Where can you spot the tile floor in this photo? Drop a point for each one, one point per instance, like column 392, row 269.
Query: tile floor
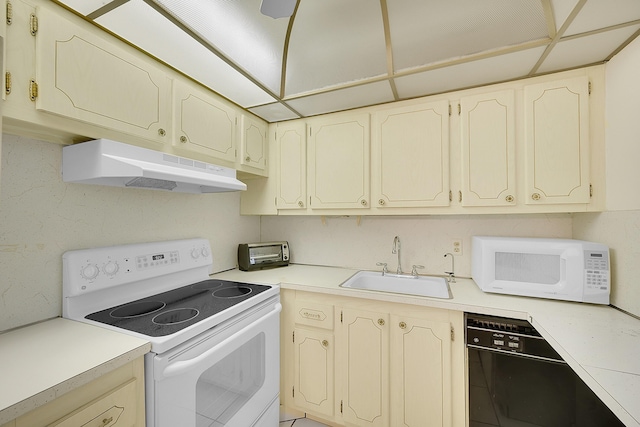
column 300, row 422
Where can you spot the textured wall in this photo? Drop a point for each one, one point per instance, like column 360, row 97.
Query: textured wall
column 41, row 217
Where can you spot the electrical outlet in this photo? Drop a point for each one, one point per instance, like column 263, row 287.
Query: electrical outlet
column 457, row 246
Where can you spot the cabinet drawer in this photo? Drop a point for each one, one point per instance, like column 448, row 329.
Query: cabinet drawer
column 314, row 314
column 116, row 408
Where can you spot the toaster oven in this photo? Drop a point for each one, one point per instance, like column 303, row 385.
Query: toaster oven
column 255, row 256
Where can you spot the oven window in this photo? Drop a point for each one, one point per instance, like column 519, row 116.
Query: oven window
column 223, row 389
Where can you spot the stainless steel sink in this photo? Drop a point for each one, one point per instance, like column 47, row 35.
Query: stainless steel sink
column 424, row 286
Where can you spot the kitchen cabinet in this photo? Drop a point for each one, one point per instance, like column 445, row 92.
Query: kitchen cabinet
column 557, row 141
column 410, row 156
column 254, row 144
column 291, row 165
column 203, row 123
column 394, row 364
column 488, row 146
column 114, row 399
column 83, row 76
column 338, row 162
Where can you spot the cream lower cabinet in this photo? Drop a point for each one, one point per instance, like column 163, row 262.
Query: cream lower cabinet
column 382, row 364
column 83, row 76
column 115, row 399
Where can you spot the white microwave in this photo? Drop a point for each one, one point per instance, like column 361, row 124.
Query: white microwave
column 564, row 269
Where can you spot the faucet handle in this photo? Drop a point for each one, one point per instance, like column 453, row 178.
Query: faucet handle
column 414, row 269
column 384, row 267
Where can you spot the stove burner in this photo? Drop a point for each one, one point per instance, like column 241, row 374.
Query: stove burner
column 207, row 285
column 136, row 309
column 178, row 315
column 234, row 292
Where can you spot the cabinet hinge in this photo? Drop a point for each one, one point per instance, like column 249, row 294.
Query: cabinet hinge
column 7, row 83
column 453, row 334
column 589, row 88
column 341, row 316
column 590, row 190
column 449, row 109
column 33, row 24
column 459, row 196
column 341, row 406
column 9, row 13
column 459, row 109
column 293, row 392
column 293, row 336
column 33, row 90
column 450, row 196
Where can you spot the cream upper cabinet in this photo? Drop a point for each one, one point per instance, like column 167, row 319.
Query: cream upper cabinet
column 410, row 156
column 421, row 372
column 557, row 141
column 253, row 143
column 291, row 165
column 488, row 146
column 203, row 123
column 338, row 160
column 82, row 75
column 365, row 389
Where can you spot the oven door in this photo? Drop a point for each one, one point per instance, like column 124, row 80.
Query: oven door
column 228, row 376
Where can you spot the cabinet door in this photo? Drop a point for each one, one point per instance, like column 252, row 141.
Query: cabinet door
column 488, row 149
column 557, row 141
column 411, row 156
column 203, row 123
column 420, row 372
column 339, row 162
column 253, row 142
column 314, row 371
column 366, row 368
column 81, row 75
column 291, row 167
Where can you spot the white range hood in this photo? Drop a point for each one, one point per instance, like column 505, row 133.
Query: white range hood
column 115, row 164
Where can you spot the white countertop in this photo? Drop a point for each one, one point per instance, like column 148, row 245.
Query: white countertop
column 45, row 360
column 600, row 343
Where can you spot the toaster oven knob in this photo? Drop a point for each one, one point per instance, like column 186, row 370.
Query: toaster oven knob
column 205, row 252
column 111, row 268
column 89, row 271
column 195, row 254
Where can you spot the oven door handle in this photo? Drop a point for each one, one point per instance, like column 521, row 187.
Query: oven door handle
column 178, row 368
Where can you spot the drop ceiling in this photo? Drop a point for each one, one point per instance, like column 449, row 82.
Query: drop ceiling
column 333, row 55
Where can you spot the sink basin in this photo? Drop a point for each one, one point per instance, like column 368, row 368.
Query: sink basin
column 424, row 286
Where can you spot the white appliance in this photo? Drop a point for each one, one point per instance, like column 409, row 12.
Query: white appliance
column 215, row 348
column 106, row 162
column 564, row 269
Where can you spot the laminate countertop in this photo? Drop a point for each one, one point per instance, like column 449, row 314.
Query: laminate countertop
column 43, row 361
column 600, row 343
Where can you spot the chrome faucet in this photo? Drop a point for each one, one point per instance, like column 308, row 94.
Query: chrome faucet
column 396, row 250
column 450, row 274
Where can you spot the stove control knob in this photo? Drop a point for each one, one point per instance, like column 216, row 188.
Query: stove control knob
column 111, row 268
column 89, row 271
column 195, row 254
column 204, row 252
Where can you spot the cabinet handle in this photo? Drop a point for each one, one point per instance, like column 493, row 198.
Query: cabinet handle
column 363, row 202
column 301, row 204
column 325, row 343
column 402, row 325
column 107, row 421
column 247, row 159
column 535, row 196
column 183, row 139
column 381, row 202
column 381, row 322
column 509, row 198
column 162, row 132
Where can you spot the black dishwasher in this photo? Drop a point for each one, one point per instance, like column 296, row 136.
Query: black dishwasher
column 517, row 379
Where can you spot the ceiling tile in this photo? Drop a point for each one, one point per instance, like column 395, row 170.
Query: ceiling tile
column 586, row 50
column 561, row 11
column 596, row 14
column 274, row 112
column 162, row 39
column 426, row 32
column 344, row 99
column 85, row 7
column 484, row 71
column 334, row 42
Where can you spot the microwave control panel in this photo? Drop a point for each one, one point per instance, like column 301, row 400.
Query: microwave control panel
column 596, row 271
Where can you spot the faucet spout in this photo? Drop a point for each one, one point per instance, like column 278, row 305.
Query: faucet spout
column 396, row 250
